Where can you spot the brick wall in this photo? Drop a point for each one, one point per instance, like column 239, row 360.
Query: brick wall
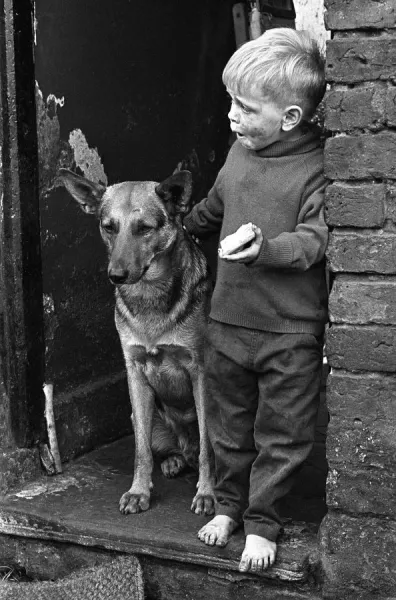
column 358, row 536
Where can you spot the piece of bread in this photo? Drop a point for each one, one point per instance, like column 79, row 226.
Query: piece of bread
column 234, row 242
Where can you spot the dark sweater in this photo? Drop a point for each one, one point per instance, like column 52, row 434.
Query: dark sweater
column 280, row 189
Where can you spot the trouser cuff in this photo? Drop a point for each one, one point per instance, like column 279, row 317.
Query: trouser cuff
column 229, row 511
column 270, row 532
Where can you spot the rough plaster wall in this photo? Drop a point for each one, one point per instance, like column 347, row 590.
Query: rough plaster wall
column 309, row 16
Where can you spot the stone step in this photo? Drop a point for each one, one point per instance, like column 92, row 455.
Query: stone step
column 80, row 507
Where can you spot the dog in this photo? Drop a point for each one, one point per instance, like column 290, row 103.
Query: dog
column 162, row 290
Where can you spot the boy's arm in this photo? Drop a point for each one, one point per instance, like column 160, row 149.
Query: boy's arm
column 299, row 249
column 206, row 217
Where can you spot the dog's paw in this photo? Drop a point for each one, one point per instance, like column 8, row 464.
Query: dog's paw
column 134, row 503
column 203, row 504
column 172, row 465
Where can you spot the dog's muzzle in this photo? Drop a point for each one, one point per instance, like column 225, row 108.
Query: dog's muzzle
column 121, row 276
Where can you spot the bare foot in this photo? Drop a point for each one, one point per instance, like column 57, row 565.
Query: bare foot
column 259, row 554
column 218, row 531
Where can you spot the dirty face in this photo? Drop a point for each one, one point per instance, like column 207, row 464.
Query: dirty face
column 137, row 230
column 257, row 122
column 139, row 221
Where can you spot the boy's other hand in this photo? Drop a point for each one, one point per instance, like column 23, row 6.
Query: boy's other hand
column 249, row 253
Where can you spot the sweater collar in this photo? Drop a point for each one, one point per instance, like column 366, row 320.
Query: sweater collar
column 309, row 140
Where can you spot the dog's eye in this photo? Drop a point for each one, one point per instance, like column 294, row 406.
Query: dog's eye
column 108, row 227
column 143, row 228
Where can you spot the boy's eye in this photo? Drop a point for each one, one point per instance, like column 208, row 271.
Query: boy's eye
column 245, row 109
column 239, row 104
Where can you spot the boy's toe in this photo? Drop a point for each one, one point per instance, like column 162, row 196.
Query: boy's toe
column 244, row 564
column 221, row 541
column 257, row 564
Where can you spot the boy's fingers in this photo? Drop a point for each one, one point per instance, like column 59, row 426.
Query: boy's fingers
column 248, row 254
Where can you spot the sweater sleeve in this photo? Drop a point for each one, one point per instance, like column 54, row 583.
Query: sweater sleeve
column 206, row 217
column 306, row 245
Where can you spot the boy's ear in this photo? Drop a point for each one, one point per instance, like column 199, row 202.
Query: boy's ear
column 175, row 192
column 87, row 193
column 291, row 117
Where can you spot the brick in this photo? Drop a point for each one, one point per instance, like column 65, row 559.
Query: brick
column 372, row 252
column 363, row 300
column 354, row 59
column 359, row 107
column 390, row 106
column 356, row 14
column 358, row 557
column 362, row 348
column 363, row 156
column 390, row 208
column 361, row 491
column 361, row 443
column 355, row 205
column 369, row 397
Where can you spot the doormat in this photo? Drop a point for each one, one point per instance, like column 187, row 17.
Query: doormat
column 119, row 579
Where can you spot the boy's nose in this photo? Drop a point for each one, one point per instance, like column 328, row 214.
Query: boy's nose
column 233, row 115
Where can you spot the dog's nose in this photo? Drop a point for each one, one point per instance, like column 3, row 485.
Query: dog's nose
column 118, row 276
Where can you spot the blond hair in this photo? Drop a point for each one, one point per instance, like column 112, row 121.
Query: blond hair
column 284, row 65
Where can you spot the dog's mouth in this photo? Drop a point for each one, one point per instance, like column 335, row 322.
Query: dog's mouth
column 126, row 278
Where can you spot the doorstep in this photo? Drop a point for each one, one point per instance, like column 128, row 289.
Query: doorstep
column 80, row 506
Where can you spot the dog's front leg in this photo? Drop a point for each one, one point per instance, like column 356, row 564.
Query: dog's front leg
column 204, row 500
column 137, row 499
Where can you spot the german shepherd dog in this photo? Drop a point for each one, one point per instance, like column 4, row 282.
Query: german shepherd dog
column 162, row 290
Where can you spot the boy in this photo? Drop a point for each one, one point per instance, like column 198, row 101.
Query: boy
column 269, row 306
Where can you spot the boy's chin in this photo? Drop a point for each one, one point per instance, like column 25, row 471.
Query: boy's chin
column 246, row 142
column 250, row 144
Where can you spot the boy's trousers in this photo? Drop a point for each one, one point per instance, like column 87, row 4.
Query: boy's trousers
column 263, row 390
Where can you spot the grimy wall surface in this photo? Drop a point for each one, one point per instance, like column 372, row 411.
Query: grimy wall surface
column 358, row 536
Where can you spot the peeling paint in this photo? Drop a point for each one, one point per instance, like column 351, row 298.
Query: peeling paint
column 53, row 153
column 86, row 158
column 53, row 101
column 51, row 324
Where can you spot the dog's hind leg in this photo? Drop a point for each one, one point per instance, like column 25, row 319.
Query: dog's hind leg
column 204, row 500
column 164, row 444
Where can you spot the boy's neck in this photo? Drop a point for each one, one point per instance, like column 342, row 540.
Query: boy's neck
column 294, row 134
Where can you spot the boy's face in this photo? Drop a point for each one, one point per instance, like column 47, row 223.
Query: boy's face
column 257, row 121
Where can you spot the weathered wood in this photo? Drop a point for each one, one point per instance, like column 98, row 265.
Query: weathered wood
column 21, row 334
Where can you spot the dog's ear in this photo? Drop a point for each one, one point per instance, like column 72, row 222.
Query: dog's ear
column 175, row 192
column 87, row 193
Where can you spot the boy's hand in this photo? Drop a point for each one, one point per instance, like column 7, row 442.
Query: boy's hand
column 249, row 253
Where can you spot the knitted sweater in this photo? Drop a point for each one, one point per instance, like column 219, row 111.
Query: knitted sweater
column 280, row 189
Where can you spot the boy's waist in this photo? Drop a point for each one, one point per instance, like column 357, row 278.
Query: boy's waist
column 271, row 300
column 281, row 325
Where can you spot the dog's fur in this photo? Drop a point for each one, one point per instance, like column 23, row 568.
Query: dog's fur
column 162, row 294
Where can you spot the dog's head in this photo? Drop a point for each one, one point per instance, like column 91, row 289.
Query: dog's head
column 139, row 220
